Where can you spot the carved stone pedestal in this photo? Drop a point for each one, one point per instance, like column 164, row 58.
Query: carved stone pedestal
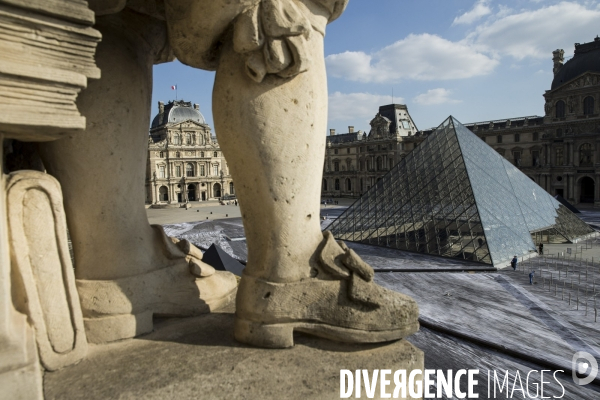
column 198, row 357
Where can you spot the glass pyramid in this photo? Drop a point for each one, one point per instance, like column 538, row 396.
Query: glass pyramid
column 454, row 196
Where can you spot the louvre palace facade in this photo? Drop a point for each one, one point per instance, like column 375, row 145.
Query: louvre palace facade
column 560, row 150
column 354, row 161
column 185, row 163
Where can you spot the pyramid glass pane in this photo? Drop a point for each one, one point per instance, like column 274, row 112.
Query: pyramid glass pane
column 454, row 196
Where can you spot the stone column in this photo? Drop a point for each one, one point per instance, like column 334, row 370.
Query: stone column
column 572, row 155
column 571, row 193
column 597, row 191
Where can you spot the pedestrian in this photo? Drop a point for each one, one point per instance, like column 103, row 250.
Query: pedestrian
column 531, row 275
column 541, row 247
column 513, row 263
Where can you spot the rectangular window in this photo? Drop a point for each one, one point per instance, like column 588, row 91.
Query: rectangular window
column 178, row 170
column 517, row 137
column 202, row 171
column 559, row 156
column 215, row 170
column 161, row 171
column 536, row 136
column 535, row 158
column 517, row 158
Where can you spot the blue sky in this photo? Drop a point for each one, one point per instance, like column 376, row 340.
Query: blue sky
column 474, row 59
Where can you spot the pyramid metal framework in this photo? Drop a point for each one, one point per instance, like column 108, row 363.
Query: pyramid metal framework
column 455, row 196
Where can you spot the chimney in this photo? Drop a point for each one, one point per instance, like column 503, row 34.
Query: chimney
column 196, row 106
column 558, row 57
column 350, row 129
column 332, row 132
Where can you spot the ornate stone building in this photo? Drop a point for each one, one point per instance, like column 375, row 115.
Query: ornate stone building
column 185, row 163
column 354, row 161
column 560, row 150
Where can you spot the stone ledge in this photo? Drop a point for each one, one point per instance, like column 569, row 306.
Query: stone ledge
column 197, row 357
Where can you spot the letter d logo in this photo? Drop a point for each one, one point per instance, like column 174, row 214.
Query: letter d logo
column 584, row 363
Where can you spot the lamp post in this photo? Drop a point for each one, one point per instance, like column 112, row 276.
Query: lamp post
column 222, row 187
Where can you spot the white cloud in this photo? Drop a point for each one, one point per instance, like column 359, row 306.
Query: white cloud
column 350, row 106
column 435, row 97
column 479, row 10
column 419, row 57
column 535, row 33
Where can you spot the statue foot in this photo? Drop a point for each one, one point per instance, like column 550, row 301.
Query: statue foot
column 123, row 308
column 339, row 301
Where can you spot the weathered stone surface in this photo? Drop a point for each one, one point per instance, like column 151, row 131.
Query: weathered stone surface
column 42, row 267
column 198, row 358
column 47, row 52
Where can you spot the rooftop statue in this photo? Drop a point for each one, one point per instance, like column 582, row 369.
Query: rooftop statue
column 271, row 81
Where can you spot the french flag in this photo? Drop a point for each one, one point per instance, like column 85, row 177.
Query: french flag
column 174, row 87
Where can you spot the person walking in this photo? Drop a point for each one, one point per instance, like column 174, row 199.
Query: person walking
column 513, row 263
column 531, row 275
column 541, row 248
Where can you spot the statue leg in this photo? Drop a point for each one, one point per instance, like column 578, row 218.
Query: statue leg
column 126, row 270
column 297, row 278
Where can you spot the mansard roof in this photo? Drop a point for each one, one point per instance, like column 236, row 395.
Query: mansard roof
column 585, row 59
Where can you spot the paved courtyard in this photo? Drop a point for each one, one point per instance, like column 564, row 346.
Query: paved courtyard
column 471, row 317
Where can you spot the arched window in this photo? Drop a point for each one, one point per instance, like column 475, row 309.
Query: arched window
column 188, row 138
column 324, row 185
column 337, row 184
column 161, row 154
column 336, row 165
column 231, row 191
column 201, row 154
column 176, row 138
column 348, row 184
column 588, row 105
column 499, row 139
column 189, row 169
column 177, row 154
column 586, row 155
column 215, row 154
column 560, row 109
column 163, row 194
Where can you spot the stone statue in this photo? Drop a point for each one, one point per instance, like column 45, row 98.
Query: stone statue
column 548, row 107
column 270, row 81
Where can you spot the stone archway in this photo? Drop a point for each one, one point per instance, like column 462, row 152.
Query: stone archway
column 217, row 190
column 587, row 188
column 191, row 192
column 163, row 194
